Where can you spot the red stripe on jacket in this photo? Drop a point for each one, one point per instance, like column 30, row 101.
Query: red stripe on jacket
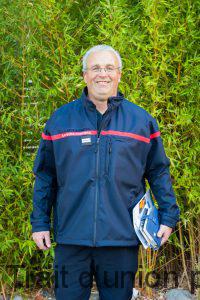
column 127, row 134
column 154, row 135
column 67, row 134
column 103, row 132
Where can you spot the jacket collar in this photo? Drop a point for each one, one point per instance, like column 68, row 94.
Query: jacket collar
column 113, row 102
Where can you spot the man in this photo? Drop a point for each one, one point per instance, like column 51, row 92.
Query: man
column 94, row 156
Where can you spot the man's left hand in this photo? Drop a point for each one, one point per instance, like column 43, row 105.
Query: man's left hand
column 164, row 233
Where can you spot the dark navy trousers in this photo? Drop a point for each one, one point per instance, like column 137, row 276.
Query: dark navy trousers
column 113, row 269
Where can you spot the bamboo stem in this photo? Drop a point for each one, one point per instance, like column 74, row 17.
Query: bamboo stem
column 3, row 291
column 22, row 96
column 179, row 72
column 183, row 257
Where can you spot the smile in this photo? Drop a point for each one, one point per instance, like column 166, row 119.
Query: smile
column 102, row 82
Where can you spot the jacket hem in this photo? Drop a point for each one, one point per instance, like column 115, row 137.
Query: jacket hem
column 89, row 243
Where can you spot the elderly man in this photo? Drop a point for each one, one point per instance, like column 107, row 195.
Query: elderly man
column 93, row 159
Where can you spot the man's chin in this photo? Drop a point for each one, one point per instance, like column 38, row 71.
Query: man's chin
column 103, row 95
column 104, row 91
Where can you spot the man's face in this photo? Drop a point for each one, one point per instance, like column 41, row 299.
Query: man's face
column 102, row 85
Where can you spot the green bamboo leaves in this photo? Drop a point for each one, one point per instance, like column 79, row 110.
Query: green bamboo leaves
column 42, row 44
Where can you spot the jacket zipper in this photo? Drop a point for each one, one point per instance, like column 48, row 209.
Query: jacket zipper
column 97, row 183
column 108, row 157
column 97, row 189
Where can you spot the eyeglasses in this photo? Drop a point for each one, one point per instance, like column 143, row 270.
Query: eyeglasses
column 109, row 70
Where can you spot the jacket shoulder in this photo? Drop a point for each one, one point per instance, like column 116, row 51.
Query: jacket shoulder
column 137, row 111
column 66, row 108
column 64, row 111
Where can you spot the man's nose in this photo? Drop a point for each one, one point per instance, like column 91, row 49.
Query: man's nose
column 103, row 73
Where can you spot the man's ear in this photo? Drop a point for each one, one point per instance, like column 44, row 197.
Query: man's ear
column 120, row 74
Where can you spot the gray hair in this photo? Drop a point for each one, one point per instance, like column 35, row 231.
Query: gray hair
column 100, row 48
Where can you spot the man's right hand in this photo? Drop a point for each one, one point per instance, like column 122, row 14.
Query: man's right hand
column 42, row 239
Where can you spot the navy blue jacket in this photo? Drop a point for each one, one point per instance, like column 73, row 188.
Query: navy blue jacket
column 93, row 178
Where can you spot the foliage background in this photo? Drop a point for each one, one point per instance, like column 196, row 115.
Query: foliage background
column 42, row 43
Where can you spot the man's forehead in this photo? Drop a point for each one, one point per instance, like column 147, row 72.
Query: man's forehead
column 102, row 58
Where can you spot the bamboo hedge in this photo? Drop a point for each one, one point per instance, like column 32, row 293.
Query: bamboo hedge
column 42, row 43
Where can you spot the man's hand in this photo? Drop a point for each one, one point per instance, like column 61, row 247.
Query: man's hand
column 42, row 239
column 164, row 233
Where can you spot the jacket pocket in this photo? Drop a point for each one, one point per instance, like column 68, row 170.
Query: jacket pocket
column 108, row 156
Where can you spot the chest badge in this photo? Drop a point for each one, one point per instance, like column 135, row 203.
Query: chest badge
column 86, row 140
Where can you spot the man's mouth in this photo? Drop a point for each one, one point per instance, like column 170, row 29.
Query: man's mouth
column 102, row 82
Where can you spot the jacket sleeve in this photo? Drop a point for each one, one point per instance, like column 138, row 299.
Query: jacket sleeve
column 45, row 186
column 158, row 175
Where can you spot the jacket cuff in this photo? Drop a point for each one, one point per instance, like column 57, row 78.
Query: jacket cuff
column 168, row 221
column 40, row 227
